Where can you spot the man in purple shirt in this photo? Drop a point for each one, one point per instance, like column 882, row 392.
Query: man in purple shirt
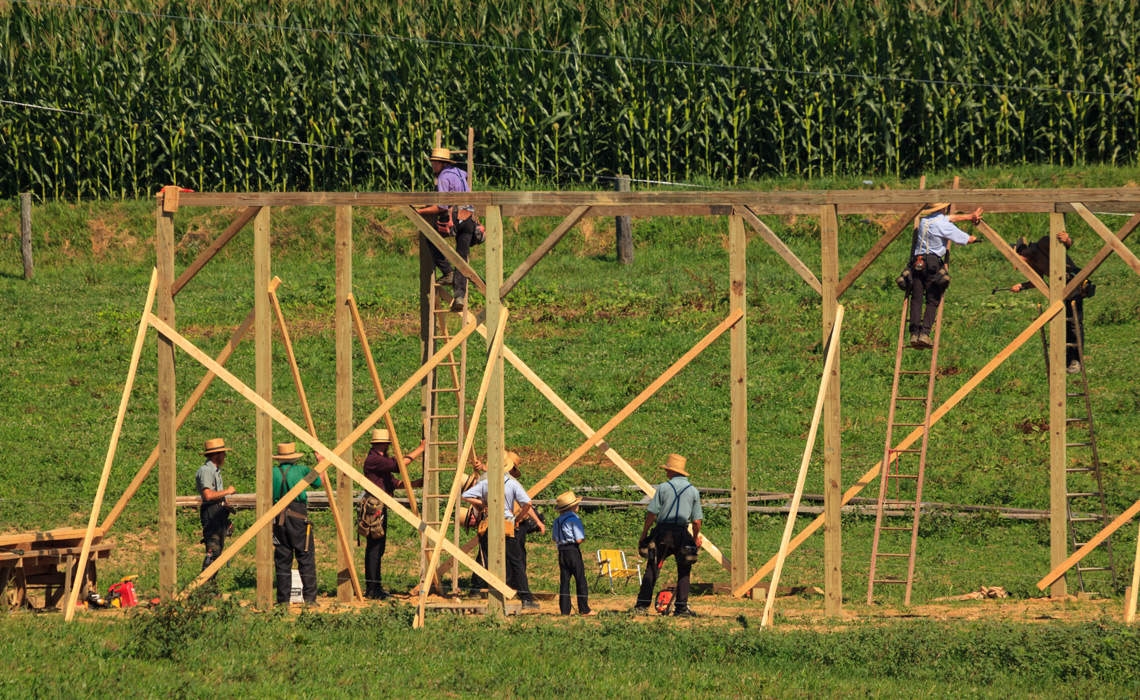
column 458, row 221
column 383, row 471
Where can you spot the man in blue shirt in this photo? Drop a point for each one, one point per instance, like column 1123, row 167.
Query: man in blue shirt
column 928, row 276
column 675, row 504
column 569, row 534
column 458, row 221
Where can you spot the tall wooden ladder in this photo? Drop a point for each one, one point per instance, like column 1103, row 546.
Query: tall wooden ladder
column 445, row 420
column 899, row 468
column 1084, row 497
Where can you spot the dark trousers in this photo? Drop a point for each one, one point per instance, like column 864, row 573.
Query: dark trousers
column 464, row 231
column 1071, row 353
column 570, row 565
column 516, row 567
column 215, row 524
column 669, row 543
column 373, row 555
column 294, row 538
column 923, row 287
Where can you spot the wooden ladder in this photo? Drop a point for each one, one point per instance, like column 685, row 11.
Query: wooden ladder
column 445, row 421
column 1085, row 506
column 905, row 483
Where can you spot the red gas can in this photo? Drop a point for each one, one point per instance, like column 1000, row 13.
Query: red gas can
column 126, row 592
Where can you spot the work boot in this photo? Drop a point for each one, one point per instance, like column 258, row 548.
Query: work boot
column 447, row 280
column 529, row 605
column 924, row 341
column 914, row 340
column 1074, row 367
column 684, row 612
column 457, row 305
column 640, row 610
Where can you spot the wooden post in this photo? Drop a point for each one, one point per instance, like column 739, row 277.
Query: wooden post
column 344, row 557
column 26, row 234
column 263, row 424
column 624, row 227
column 471, row 158
column 438, row 139
column 832, row 491
column 496, row 546
column 1058, row 496
column 738, row 393
column 167, row 430
column 1130, row 594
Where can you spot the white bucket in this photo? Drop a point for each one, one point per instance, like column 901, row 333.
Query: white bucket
column 295, row 588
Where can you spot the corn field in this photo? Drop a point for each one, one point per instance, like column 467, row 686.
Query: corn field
column 279, row 95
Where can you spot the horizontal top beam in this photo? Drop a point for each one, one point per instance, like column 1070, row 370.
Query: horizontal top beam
column 1121, row 199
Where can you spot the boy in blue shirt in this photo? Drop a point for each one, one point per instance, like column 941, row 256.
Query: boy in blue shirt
column 568, row 534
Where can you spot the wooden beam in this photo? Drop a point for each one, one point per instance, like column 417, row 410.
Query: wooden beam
column 1102, row 255
column 794, row 504
column 1101, row 230
column 914, row 436
column 1058, row 388
column 327, row 456
column 545, row 247
column 89, row 534
column 263, row 424
column 461, row 266
column 345, row 554
column 1014, row 259
column 1059, row 571
column 388, row 422
column 594, row 439
column 1130, row 606
column 876, row 250
column 183, row 413
column 832, row 426
column 782, row 250
column 738, row 397
column 214, row 248
column 167, row 431
column 496, row 411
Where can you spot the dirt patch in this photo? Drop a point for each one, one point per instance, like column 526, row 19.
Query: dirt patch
column 595, row 241
column 1032, row 427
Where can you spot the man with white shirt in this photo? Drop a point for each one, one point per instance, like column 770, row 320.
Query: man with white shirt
column 928, row 274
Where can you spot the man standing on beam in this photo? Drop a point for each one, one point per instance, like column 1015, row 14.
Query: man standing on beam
column 457, row 221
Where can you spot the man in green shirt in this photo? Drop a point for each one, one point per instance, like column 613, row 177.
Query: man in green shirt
column 292, row 530
column 675, row 504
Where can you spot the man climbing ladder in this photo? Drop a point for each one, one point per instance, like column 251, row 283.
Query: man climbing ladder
column 928, row 274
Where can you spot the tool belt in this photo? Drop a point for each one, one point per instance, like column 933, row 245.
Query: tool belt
column 509, row 527
column 293, row 510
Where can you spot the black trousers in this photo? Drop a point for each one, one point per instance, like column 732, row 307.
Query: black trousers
column 293, row 538
column 373, row 555
column 669, row 543
column 570, row 565
column 215, row 524
column 464, row 231
column 1071, row 353
column 516, row 567
column 923, row 287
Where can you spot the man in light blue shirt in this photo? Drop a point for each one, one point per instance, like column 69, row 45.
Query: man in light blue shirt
column 569, row 534
column 675, row 505
column 929, row 278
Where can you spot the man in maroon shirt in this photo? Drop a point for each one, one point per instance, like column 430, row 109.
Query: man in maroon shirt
column 383, row 471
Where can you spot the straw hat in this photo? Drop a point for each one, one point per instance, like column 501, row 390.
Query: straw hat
column 511, row 462
column 216, row 445
column 566, row 500
column 934, row 209
column 675, row 464
column 441, row 154
column 287, row 450
column 380, row 435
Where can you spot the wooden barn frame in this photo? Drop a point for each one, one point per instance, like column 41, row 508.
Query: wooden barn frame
column 742, row 209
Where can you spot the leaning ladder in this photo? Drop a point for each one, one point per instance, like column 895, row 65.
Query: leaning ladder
column 1085, row 508
column 911, row 481
column 444, row 417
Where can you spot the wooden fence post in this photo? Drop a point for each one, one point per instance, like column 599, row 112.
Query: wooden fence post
column 26, row 234
column 263, row 424
column 624, row 227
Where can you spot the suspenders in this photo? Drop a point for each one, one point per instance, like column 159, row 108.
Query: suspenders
column 675, row 506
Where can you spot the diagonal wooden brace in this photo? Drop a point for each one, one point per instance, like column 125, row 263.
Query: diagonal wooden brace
column 462, row 266
column 1013, row 258
column 543, row 248
column 876, row 250
column 1100, row 257
column 1101, row 230
column 781, row 249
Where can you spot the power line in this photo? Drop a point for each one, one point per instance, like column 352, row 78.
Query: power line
column 584, row 54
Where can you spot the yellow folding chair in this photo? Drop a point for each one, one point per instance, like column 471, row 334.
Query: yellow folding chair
column 611, row 563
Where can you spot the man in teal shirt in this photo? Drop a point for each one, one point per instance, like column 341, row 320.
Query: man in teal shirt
column 292, row 530
column 674, row 505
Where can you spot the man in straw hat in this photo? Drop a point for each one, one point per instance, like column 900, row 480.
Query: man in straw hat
column 372, row 515
column 292, row 530
column 675, row 504
column 458, row 221
column 516, row 507
column 569, row 533
column 1036, row 255
column 928, row 274
column 214, row 511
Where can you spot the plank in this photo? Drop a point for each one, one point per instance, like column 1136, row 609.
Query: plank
column 915, row 435
column 738, row 397
column 543, row 248
column 1058, row 388
column 328, row 457
column 1059, row 570
column 167, row 431
column 1100, row 257
column 1101, row 230
column 461, row 265
column 1014, row 259
column 342, row 246
column 1130, row 606
column 832, row 445
column 263, row 380
column 405, row 478
column 235, row 227
column 794, row 504
column 877, row 249
column 183, row 413
column 89, row 534
column 496, row 410
column 782, row 250
column 649, row 391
